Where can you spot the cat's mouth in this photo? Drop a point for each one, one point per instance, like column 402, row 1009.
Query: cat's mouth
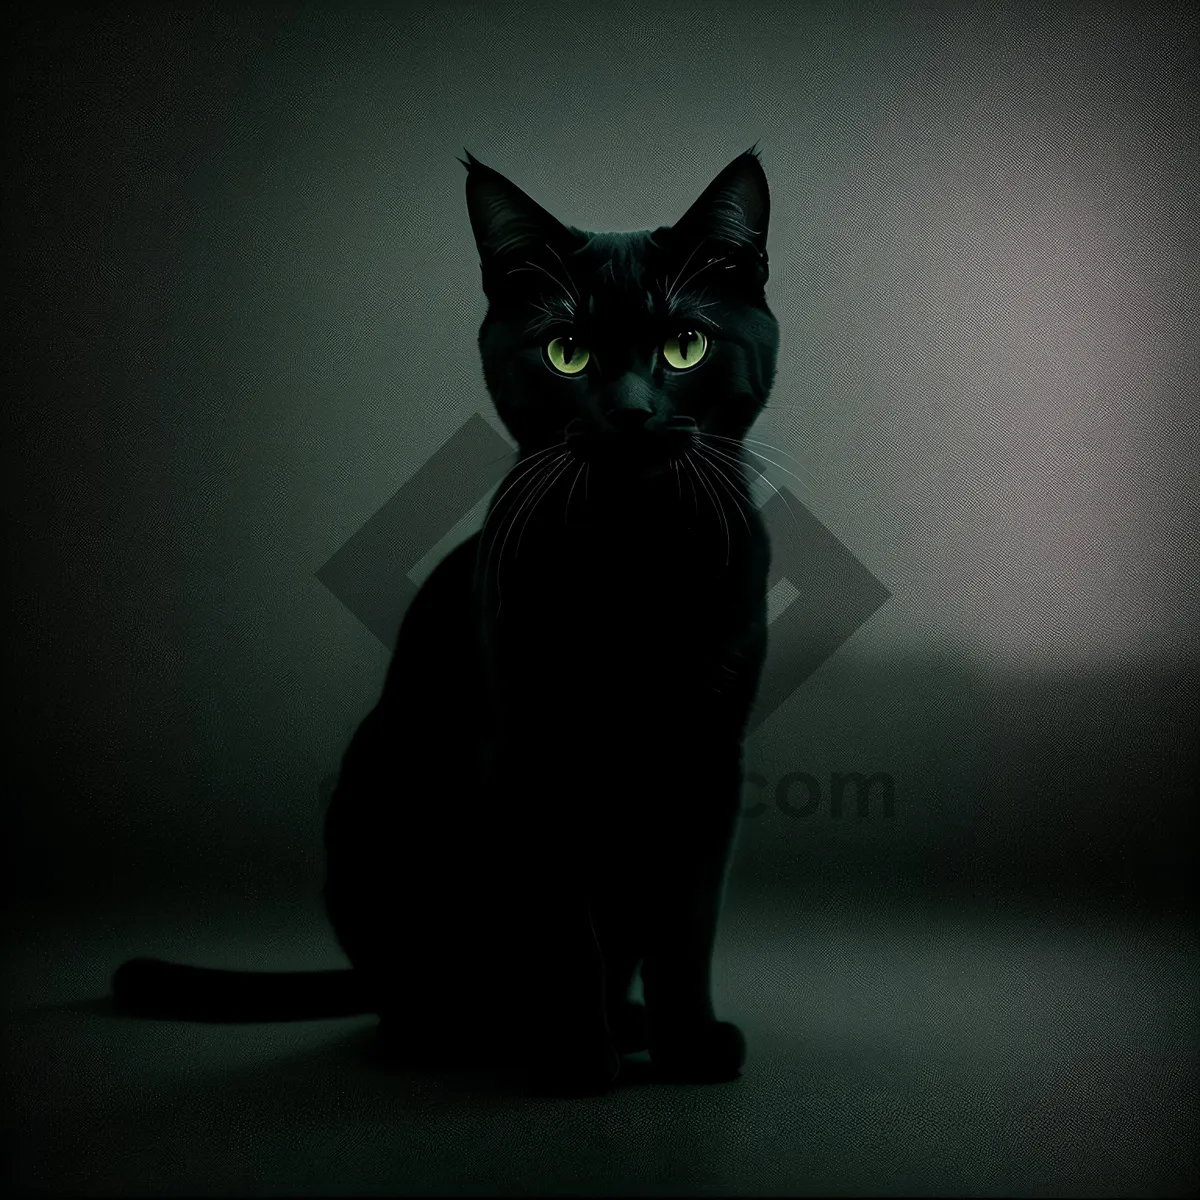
column 644, row 453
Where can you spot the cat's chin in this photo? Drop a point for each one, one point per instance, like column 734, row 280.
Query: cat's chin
column 638, row 478
column 625, row 474
column 652, row 471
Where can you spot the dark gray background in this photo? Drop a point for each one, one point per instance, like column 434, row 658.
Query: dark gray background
column 243, row 301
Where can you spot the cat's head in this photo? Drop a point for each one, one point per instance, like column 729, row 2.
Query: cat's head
column 622, row 344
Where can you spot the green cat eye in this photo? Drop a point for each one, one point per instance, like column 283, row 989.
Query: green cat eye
column 685, row 349
column 567, row 356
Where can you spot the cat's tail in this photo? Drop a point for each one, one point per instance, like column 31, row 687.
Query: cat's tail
column 154, row 988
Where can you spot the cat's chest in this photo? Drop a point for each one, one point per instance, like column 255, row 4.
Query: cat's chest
column 614, row 574
column 633, row 604
column 597, row 623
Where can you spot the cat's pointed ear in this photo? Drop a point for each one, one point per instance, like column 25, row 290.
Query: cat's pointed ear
column 503, row 218
column 735, row 208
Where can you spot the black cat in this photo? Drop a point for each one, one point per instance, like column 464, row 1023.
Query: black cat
column 545, row 796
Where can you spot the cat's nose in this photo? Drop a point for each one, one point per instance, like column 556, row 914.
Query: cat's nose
column 630, row 404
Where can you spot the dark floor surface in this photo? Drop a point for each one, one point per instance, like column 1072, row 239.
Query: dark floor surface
column 906, row 1048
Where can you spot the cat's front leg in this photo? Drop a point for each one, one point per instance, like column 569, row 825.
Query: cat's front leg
column 571, row 1050
column 698, row 804
column 564, row 1027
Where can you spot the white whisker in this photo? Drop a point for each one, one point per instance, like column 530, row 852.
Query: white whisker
column 724, row 480
column 756, row 442
column 712, row 262
column 760, row 474
column 565, row 271
column 567, row 506
column 544, row 487
column 759, row 454
column 525, row 466
column 718, row 508
column 528, row 494
column 689, row 468
column 532, row 266
column 523, row 471
column 671, row 290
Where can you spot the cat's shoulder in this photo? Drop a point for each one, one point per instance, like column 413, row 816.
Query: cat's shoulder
column 438, row 623
column 450, row 582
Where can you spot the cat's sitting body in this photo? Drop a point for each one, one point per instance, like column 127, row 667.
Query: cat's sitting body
column 545, row 796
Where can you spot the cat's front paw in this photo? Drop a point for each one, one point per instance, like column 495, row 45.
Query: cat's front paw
column 710, row 1053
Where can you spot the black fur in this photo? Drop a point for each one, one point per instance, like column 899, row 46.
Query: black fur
column 544, row 798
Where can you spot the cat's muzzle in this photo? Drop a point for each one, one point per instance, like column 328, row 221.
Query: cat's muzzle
column 645, row 452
